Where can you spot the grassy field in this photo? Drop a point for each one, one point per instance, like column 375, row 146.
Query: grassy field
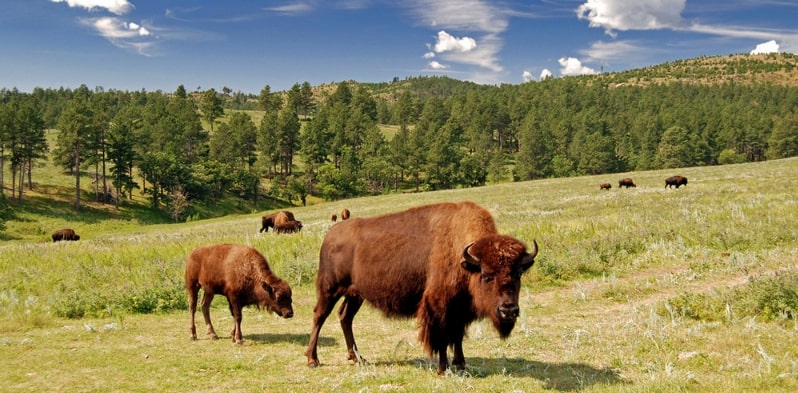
column 634, row 290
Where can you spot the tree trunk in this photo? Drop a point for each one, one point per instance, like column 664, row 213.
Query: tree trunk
column 77, row 175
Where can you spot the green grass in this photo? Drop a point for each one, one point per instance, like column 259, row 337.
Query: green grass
column 643, row 289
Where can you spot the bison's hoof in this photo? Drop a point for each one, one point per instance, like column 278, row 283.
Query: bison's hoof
column 213, row 337
column 193, row 337
column 313, row 363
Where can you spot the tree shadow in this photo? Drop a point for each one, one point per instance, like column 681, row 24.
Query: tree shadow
column 563, row 377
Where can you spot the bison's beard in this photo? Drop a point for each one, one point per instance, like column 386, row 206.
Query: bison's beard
column 504, row 326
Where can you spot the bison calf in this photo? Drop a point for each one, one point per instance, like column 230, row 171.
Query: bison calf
column 605, row 186
column 675, row 181
column 242, row 275
column 626, row 182
column 65, row 234
column 345, row 214
column 288, row 227
column 269, row 220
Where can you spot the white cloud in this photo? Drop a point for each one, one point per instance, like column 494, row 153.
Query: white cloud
column 448, row 43
column 572, row 66
column 429, row 55
column 122, row 34
column 294, row 8
column 118, row 7
column 437, row 66
column 545, row 74
column 766, row 47
column 527, row 76
column 632, row 14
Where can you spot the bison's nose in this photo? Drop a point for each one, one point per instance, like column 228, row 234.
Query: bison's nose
column 508, row 311
column 288, row 314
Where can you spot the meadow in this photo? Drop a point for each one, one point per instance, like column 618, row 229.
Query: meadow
column 634, row 290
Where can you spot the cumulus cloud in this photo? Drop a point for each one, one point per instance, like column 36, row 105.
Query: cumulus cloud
column 527, row 76
column 448, row 43
column 437, row 66
column 429, row 55
column 612, row 15
column 545, row 74
column 572, row 66
column 766, row 47
column 118, row 7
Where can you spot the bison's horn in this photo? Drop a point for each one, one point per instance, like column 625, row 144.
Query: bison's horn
column 534, row 252
column 468, row 257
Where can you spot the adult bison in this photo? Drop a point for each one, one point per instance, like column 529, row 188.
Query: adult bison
column 675, row 181
column 626, row 182
column 445, row 264
column 65, row 234
column 269, row 220
column 288, row 227
column 605, row 186
column 242, row 275
column 345, row 214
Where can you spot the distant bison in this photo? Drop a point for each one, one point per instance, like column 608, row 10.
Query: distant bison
column 242, row 275
column 345, row 214
column 444, row 264
column 288, row 227
column 605, row 186
column 334, row 218
column 675, row 181
column 269, row 220
column 65, row 234
column 626, row 182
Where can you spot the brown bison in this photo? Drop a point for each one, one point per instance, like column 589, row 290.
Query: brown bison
column 605, row 186
column 675, row 181
column 334, row 218
column 444, row 264
column 288, row 227
column 65, row 234
column 242, row 275
column 626, row 182
column 269, row 220
column 345, row 214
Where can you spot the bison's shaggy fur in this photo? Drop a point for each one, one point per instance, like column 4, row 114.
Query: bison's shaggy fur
column 626, row 182
column 605, row 186
column 444, row 264
column 269, row 220
column 65, row 234
column 239, row 273
column 675, row 181
column 288, row 227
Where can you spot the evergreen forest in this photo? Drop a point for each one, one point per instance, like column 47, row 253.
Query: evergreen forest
column 351, row 139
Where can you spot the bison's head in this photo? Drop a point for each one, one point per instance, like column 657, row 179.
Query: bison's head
column 496, row 263
column 279, row 298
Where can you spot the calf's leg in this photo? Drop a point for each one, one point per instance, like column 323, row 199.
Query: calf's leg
column 346, row 313
column 207, row 298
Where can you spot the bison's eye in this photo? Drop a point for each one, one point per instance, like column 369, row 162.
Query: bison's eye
column 487, row 277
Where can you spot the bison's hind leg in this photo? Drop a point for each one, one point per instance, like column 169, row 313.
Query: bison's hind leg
column 207, row 298
column 346, row 313
column 193, row 290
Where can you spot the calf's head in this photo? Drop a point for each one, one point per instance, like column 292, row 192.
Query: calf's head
column 496, row 263
column 278, row 298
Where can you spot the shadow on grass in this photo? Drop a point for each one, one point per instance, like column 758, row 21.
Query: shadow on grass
column 563, row 377
column 301, row 339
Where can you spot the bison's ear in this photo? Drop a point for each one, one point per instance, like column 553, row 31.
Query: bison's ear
column 529, row 259
column 469, row 261
column 268, row 288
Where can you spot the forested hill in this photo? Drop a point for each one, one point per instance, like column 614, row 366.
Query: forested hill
column 350, row 139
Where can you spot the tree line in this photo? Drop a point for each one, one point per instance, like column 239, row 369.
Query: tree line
column 429, row 133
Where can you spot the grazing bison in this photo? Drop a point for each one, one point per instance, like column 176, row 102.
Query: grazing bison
column 65, row 234
column 334, row 218
column 626, row 182
column 345, row 214
column 269, row 220
column 445, row 264
column 288, row 227
column 605, row 186
column 242, row 275
column 675, row 181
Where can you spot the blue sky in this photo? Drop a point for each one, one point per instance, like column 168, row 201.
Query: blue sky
column 246, row 45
